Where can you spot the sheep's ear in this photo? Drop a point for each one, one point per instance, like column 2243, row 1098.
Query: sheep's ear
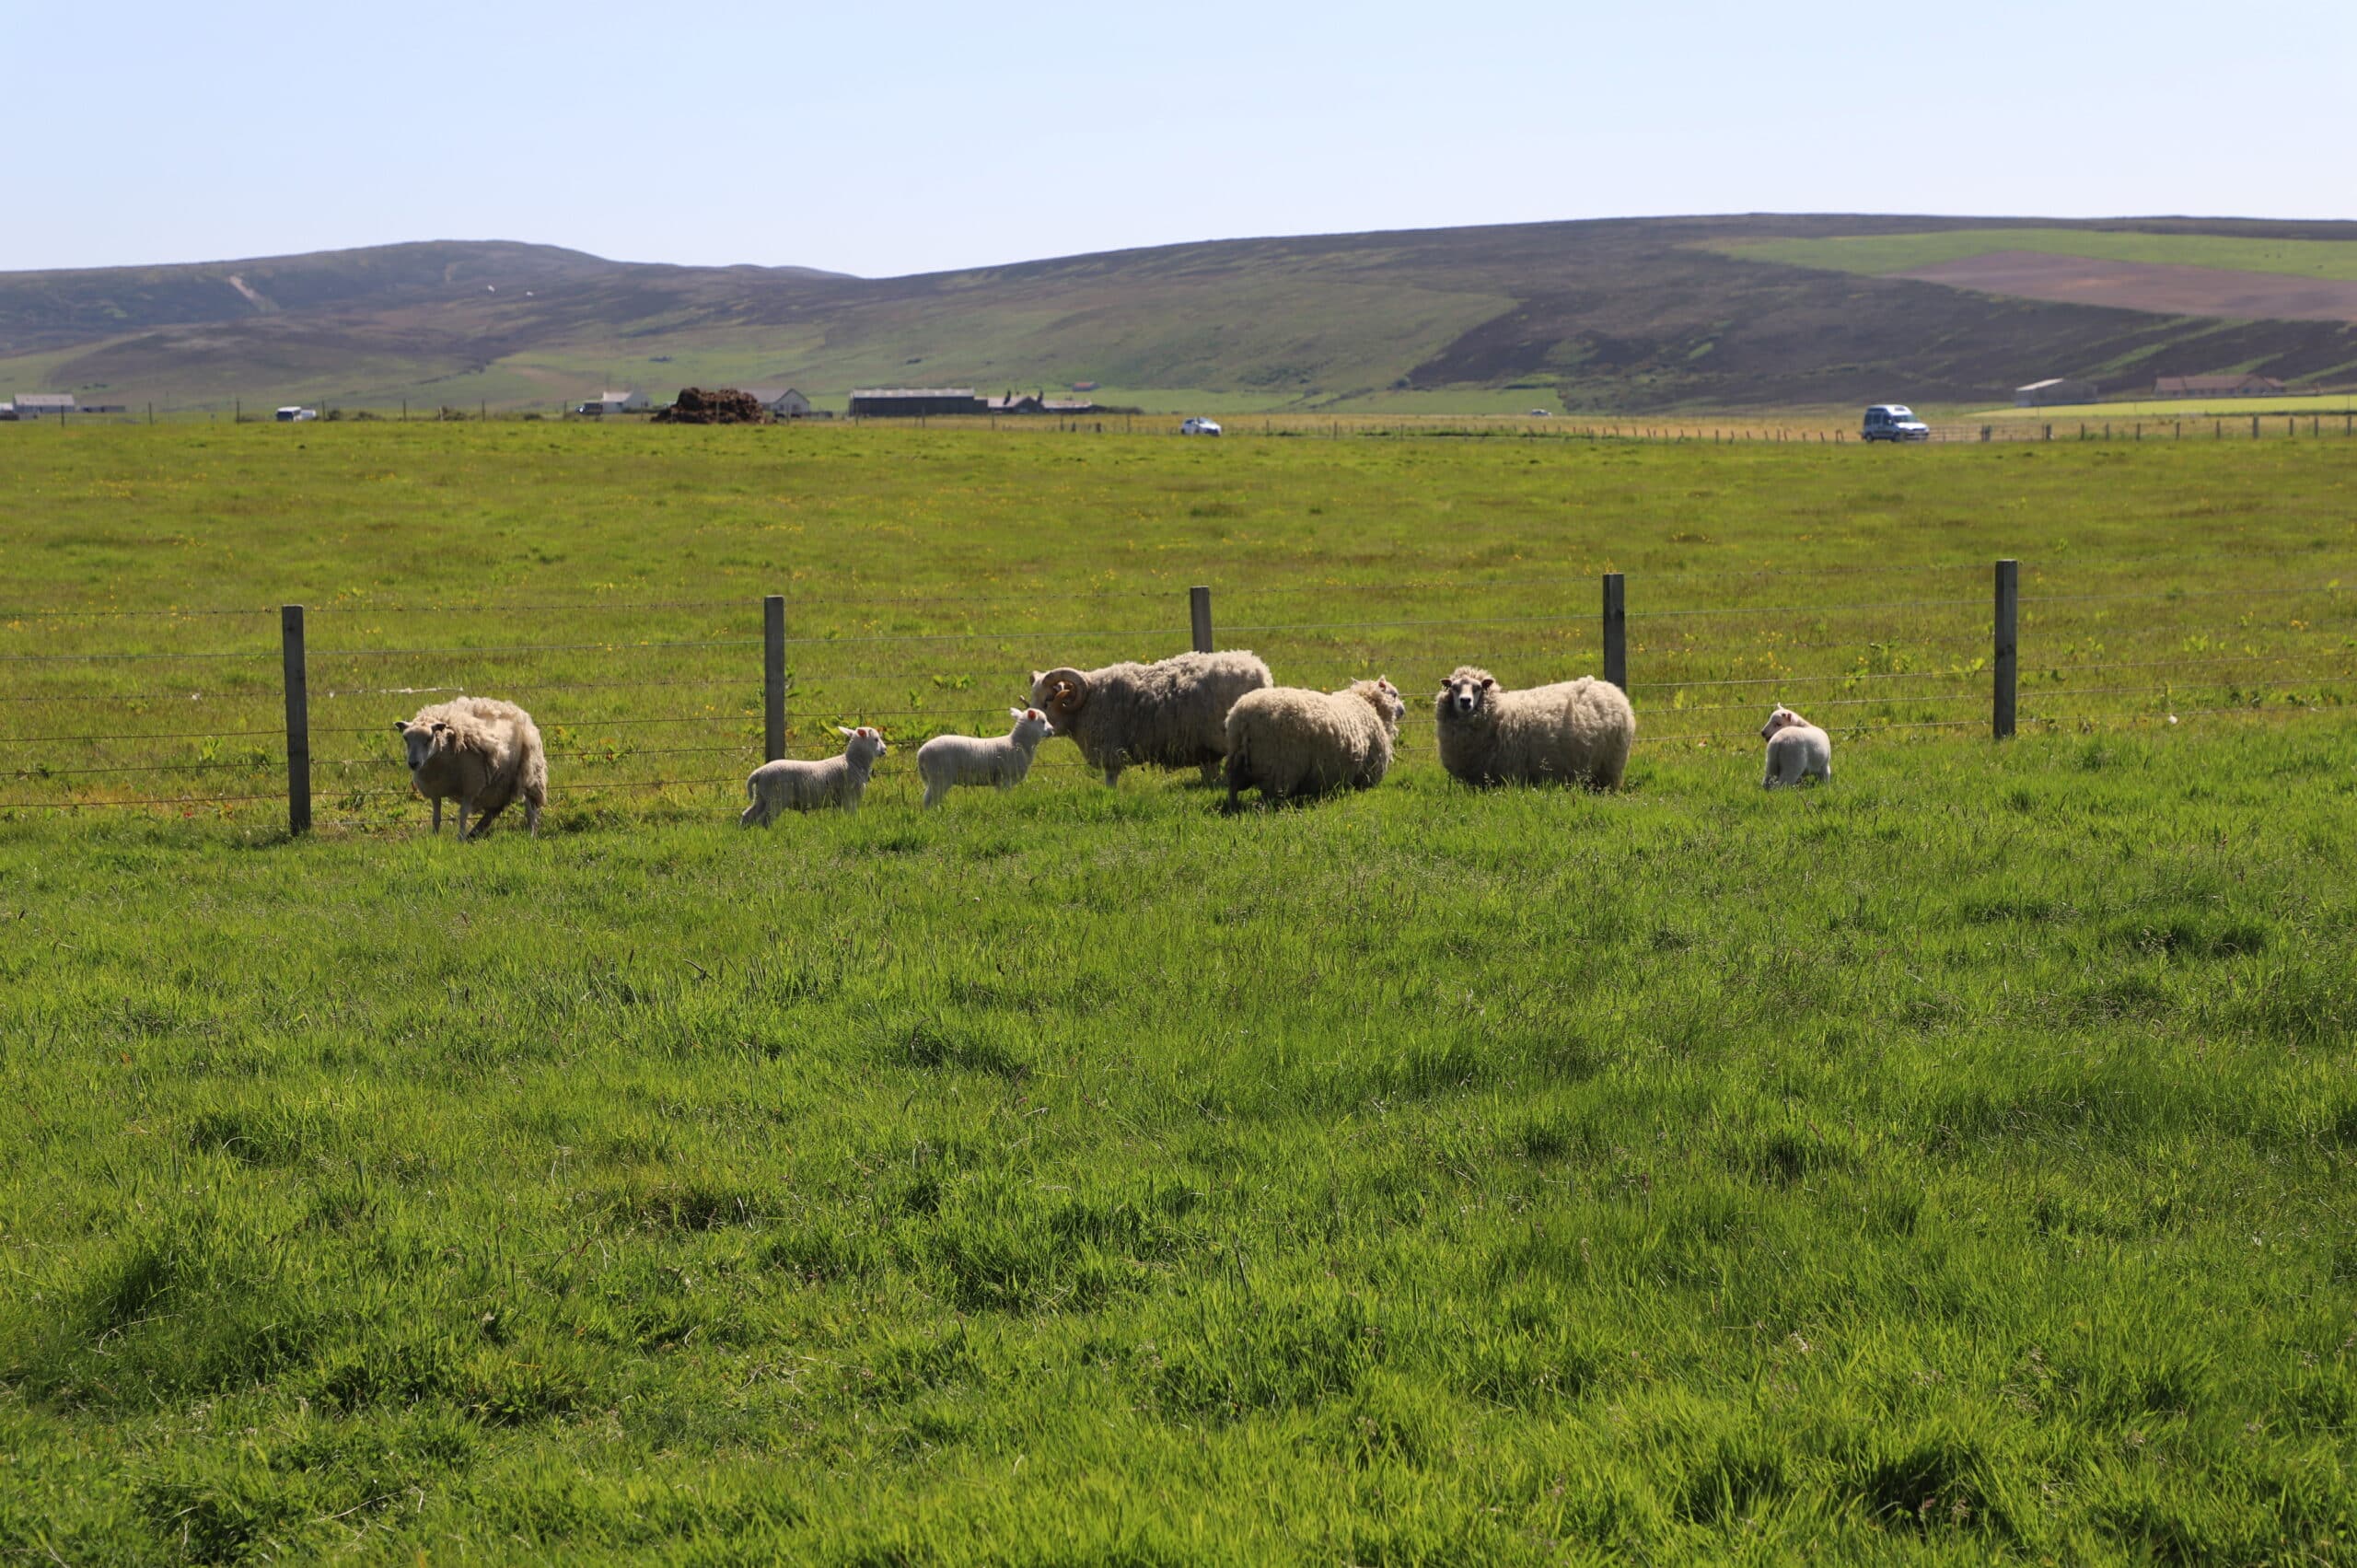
column 846, row 734
column 439, row 727
column 1018, row 712
column 1488, row 681
column 400, row 726
column 1036, row 675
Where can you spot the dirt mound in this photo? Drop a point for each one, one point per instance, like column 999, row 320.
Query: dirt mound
column 726, row 406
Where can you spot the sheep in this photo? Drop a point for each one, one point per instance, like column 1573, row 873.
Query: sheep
column 1797, row 750
column 482, row 753
column 1169, row 714
column 1285, row 740
column 807, row 786
column 1573, row 732
column 948, row 760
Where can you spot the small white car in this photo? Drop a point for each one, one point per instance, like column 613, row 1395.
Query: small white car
column 1893, row 422
column 1200, row 427
column 1541, row 413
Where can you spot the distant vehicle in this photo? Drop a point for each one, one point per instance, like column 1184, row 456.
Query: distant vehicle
column 1200, row 427
column 1893, row 422
column 1541, row 414
column 290, row 414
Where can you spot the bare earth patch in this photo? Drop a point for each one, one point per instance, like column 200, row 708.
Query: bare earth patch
column 2147, row 285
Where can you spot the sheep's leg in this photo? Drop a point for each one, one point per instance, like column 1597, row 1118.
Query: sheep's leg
column 531, row 819
column 1112, row 775
column 462, row 821
column 437, row 813
column 753, row 817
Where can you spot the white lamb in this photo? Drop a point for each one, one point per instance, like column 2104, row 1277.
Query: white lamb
column 811, row 786
column 1797, row 750
column 1285, row 740
column 482, row 753
column 1001, row 761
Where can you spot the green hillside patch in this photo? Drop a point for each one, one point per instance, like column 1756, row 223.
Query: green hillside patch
column 1879, row 255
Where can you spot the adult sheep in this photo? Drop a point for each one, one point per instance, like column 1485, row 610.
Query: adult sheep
column 482, row 753
column 1573, row 732
column 1171, row 714
column 1287, row 741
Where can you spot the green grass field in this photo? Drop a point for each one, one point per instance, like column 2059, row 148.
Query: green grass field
column 1954, row 1163
column 1881, row 254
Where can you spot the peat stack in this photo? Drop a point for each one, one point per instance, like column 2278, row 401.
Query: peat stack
column 725, row 406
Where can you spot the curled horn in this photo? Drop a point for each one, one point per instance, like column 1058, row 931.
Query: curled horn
column 1075, row 689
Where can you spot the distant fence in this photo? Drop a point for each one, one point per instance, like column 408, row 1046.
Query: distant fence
column 738, row 681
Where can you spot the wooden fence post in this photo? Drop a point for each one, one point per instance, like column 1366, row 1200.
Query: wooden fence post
column 1199, row 612
column 2007, row 627
column 298, row 719
column 1616, row 630
column 774, row 677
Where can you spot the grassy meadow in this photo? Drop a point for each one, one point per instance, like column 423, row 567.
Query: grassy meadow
column 1880, row 254
column 1956, row 1163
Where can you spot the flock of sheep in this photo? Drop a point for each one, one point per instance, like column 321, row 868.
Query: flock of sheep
column 1213, row 712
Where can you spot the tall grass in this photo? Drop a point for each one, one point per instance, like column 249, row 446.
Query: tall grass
column 1954, row 1163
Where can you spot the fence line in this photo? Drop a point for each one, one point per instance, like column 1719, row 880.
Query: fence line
column 2048, row 688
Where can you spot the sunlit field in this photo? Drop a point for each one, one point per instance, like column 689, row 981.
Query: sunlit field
column 1954, row 1161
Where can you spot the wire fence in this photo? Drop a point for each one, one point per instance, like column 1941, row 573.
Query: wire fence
column 666, row 704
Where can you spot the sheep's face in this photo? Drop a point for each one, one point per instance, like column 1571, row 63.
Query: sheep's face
column 866, row 740
column 1783, row 718
column 1385, row 699
column 1466, row 695
column 420, row 740
column 1030, row 724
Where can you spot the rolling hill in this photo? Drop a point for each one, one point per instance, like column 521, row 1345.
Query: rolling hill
column 1629, row 315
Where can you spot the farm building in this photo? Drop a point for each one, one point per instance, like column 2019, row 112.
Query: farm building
column 2054, row 390
column 43, row 405
column 783, row 402
column 2216, row 387
column 615, row 403
column 913, row 402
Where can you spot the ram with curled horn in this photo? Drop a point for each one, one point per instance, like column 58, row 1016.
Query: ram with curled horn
column 1171, row 713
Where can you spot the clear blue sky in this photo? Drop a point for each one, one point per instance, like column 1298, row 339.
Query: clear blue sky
column 885, row 138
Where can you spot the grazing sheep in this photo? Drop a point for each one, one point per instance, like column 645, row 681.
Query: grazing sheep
column 1573, row 732
column 482, row 753
column 1172, row 714
column 1797, row 750
column 808, row 786
column 1285, row 741
column 948, row 760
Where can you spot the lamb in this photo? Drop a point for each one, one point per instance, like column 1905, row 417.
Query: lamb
column 1287, row 741
column 1573, row 732
column 1797, row 750
column 482, row 753
column 948, row 760
column 1172, row 714
column 808, row 786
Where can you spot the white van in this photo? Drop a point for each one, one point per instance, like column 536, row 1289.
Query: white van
column 1893, row 422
